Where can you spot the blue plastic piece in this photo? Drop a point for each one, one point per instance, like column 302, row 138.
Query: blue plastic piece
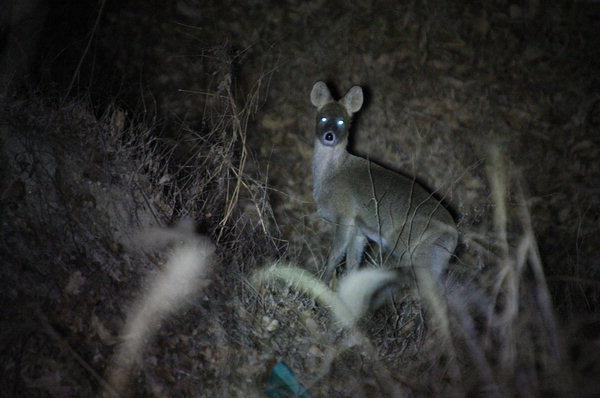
column 281, row 383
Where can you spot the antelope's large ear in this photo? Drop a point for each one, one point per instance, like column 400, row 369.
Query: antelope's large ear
column 353, row 100
column 320, row 95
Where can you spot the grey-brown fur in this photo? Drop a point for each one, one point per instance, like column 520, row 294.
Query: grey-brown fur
column 365, row 201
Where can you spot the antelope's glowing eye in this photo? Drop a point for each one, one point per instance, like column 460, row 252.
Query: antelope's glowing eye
column 340, row 123
column 323, row 119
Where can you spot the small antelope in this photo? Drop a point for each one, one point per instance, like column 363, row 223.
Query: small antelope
column 365, row 201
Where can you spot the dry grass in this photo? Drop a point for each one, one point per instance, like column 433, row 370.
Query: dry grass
column 83, row 187
column 186, row 274
column 493, row 332
column 490, row 334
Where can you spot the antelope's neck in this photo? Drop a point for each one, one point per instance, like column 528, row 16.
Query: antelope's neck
column 326, row 162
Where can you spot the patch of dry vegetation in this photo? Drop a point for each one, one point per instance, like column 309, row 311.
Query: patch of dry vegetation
column 494, row 334
column 76, row 192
